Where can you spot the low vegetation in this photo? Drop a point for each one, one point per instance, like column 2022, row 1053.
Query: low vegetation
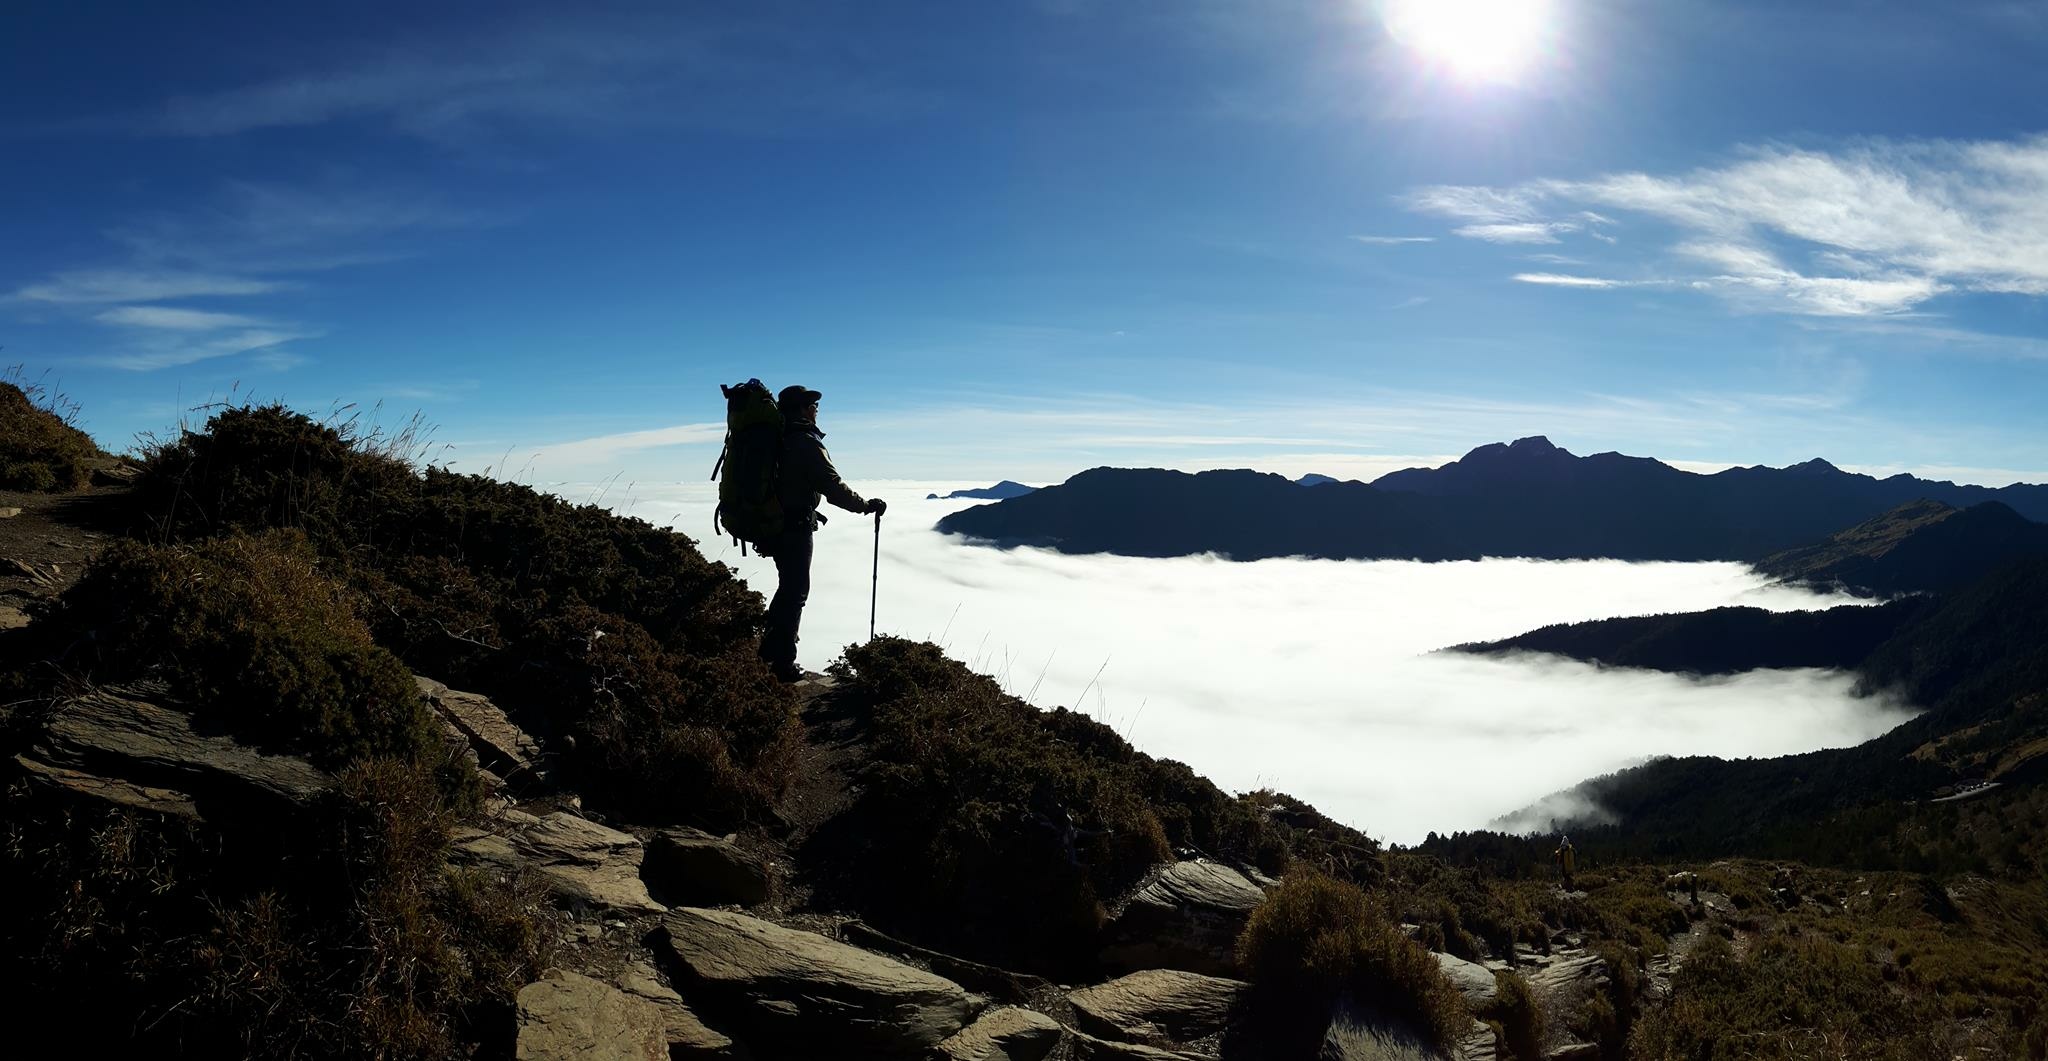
column 614, row 634
column 40, row 448
column 1315, row 939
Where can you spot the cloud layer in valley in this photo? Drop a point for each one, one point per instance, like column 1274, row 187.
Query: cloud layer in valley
column 1313, row 677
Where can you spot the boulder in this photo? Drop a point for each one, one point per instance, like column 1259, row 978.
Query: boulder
column 12, row 618
column 500, row 746
column 571, row 1017
column 1473, row 980
column 1089, row 1048
column 807, row 995
column 580, row 861
column 1006, row 1034
column 990, row 980
column 1188, row 917
column 9, row 512
column 692, row 867
column 1157, row 1005
column 110, row 746
column 688, row 1037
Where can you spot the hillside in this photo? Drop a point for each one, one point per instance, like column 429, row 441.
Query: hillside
column 1528, row 499
column 324, row 755
column 999, row 492
column 1920, row 547
column 1722, row 640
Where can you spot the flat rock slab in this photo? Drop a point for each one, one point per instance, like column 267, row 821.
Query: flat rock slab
column 500, row 745
column 1088, row 1048
column 692, row 867
column 580, row 861
column 147, row 747
column 809, row 995
column 1187, row 917
column 12, row 618
column 1006, row 1034
column 1157, row 1005
column 688, row 1037
column 122, row 793
column 571, row 1017
column 1473, row 980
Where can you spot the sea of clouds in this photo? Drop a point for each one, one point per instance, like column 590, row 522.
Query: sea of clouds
column 1314, row 677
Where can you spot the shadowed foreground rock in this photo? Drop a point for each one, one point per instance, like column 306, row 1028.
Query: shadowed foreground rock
column 1157, row 1005
column 1007, row 1034
column 1188, row 917
column 689, row 866
column 571, row 1017
column 581, row 861
column 801, row 994
column 109, row 747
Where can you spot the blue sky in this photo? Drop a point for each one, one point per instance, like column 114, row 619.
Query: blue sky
column 1018, row 240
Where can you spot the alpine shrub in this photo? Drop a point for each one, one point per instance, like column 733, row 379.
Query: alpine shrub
column 39, row 450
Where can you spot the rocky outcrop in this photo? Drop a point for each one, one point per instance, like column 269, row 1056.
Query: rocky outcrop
column 571, row 1017
column 1157, row 1005
column 688, row 1037
column 1089, row 1048
column 1186, row 917
column 111, row 747
column 694, row 868
column 803, row 994
column 1474, row 981
column 500, row 746
column 582, row 862
column 990, row 980
column 1007, row 1034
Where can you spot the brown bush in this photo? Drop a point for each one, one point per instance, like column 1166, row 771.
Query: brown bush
column 39, row 449
column 1315, row 937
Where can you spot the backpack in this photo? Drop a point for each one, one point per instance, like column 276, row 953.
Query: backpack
column 749, row 504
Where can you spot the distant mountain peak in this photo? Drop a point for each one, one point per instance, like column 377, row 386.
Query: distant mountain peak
column 1534, row 444
column 1816, row 466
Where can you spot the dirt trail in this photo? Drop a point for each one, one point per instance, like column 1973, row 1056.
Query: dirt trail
column 45, row 545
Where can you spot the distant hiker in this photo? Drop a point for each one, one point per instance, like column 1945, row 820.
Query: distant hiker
column 1567, row 861
column 806, row 476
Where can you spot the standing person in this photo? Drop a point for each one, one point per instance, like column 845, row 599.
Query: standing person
column 806, row 478
column 1567, row 861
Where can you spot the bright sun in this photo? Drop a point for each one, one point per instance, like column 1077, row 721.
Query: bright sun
column 1477, row 40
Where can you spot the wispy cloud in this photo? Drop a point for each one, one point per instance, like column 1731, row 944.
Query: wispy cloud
column 174, row 318
column 1388, row 241
column 171, row 351
column 1568, row 280
column 93, row 286
column 1877, row 228
column 602, row 71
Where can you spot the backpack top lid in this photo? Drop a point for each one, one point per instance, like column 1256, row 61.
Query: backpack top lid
column 750, row 404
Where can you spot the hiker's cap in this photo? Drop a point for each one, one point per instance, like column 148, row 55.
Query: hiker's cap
column 795, row 395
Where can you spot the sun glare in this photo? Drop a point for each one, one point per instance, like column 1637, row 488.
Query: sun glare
column 1476, row 40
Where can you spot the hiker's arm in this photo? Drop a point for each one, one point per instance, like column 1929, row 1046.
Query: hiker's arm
column 825, row 480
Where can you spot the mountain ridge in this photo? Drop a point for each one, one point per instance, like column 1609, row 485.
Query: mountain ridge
column 1526, row 498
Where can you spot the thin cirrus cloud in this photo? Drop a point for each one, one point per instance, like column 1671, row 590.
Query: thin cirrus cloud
column 95, row 286
column 1393, row 241
column 1877, row 228
column 174, row 318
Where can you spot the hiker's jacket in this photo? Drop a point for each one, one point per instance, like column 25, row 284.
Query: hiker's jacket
column 807, row 476
column 1567, row 858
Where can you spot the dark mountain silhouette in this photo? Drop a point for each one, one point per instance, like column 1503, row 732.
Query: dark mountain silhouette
column 1000, row 492
column 1530, row 499
column 1922, row 546
column 1723, row 640
column 1313, row 479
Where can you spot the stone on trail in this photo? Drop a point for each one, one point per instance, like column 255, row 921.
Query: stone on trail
column 12, row 618
column 571, row 1017
column 1472, row 980
column 691, row 867
column 1157, row 1005
column 580, row 861
column 807, row 995
column 1187, row 917
column 688, row 1037
column 1007, row 1034
column 127, row 751
column 1089, row 1048
column 500, row 745
column 9, row 512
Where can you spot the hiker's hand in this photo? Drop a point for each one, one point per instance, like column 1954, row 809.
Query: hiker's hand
column 878, row 506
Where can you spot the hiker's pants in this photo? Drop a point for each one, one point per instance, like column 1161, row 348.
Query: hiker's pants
column 792, row 587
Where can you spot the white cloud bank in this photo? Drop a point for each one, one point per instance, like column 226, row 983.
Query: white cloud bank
column 1871, row 229
column 1314, row 677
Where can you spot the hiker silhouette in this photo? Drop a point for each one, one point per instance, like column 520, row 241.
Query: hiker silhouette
column 806, row 478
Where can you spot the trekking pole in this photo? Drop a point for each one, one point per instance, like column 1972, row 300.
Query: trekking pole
column 875, row 588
